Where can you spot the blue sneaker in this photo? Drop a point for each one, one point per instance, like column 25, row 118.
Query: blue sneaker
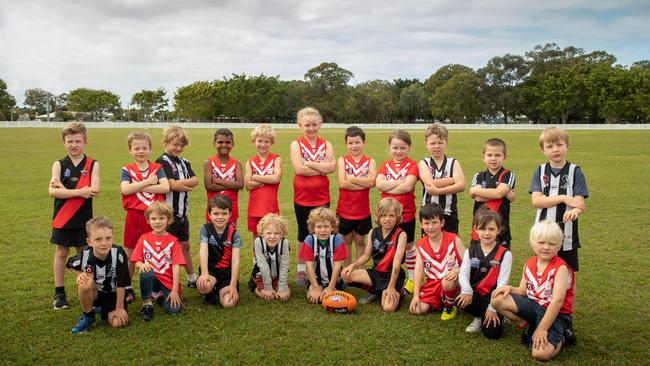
column 83, row 324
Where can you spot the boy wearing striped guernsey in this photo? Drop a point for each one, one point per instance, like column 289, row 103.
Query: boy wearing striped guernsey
column 558, row 191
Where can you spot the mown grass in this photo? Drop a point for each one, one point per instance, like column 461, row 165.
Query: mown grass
column 612, row 309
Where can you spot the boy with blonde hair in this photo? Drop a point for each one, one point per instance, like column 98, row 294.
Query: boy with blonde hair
column 543, row 302
column 181, row 180
column 73, row 184
column 262, row 178
column 141, row 183
column 102, row 275
column 558, row 191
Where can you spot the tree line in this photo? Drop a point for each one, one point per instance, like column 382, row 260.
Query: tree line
column 547, row 84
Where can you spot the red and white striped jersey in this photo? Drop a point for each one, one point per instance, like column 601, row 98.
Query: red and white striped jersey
column 437, row 263
column 264, row 199
column 314, row 190
column 225, row 171
column 140, row 200
column 539, row 286
column 354, row 205
column 161, row 252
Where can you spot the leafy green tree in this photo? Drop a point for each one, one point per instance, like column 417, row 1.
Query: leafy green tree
column 500, row 81
column 38, row 99
column 413, row 103
column 457, row 100
column 252, row 97
column 198, row 101
column 444, row 74
column 641, row 92
column 293, row 98
column 96, row 103
column 327, row 89
column 371, row 102
column 610, row 92
column 7, row 101
column 150, row 102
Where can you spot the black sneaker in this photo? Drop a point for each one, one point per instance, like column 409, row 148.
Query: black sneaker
column 191, row 284
column 526, row 339
column 146, row 313
column 129, row 295
column 570, row 337
column 211, row 298
column 59, row 302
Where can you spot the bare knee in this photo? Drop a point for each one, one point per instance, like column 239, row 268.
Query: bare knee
column 61, row 252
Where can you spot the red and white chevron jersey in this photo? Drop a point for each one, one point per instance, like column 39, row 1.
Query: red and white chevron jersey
column 140, row 200
column 161, row 252
column 225, row 171
column 437, row 263
column 315, row 190
column 354, row 205
column 539, row 286
column 264, row 199
column 399, row 171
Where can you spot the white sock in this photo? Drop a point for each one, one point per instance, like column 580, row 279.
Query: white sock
column 409, row 259
column 192, row 277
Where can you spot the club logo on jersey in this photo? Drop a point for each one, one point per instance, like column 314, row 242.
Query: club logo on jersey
column 67, row 173
column 220, row 173
column 84, row 172
column 564, row 182
column 546, row 180
column 147, row 255
column 474, row 262
column 89, row 269
column 213, row 241
column 357, row 171
column 74, row 179
column 495, row 263
column 315, row 154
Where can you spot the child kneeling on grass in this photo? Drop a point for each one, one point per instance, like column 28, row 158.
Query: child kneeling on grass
column 543, row 303
column 158, row 256
column 269, row 279
column 102, row 275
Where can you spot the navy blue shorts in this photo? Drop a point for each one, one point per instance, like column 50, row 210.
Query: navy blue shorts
column 69, row 238
column 180, row 228
column 533, row 313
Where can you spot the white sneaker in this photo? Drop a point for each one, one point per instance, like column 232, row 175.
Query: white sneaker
column 474, row 326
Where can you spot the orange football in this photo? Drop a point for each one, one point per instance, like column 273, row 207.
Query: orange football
column 339, row 302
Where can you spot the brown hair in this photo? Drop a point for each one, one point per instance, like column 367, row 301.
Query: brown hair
column 322, row 214
column 174, row 132
column 400, row 135
column 484, row 216
column 386, row 204
column 496, row 142
column 138, row 135
column 437, row 129
column 98, row 222
column 73, row 128
column 160, row 207
column 553, row 134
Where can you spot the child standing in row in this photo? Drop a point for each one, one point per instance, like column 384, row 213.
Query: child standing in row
column 385, row 246
column 396, row 178
column 219, row 255
column 269, row 279
column 442, row 176
column 558, row 191
column 486, row 266
column 74, row 183
column 102, row 275
column 222, row 174
column 543, row 303
column 356, row 175
column 181, row 180
column 324, row 252
column 262, row 179
column 494, row 188
column 158, row 256
column 142, row 182
column 312, row 158
column 439, row 256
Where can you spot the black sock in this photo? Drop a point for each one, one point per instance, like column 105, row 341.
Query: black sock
column 59, row 290
column 90, row 314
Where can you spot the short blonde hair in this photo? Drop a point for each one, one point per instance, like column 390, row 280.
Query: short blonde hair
column 386, row 204
column 548, row 231
column 160, row 207
column 138, row 135
column 263, row 130
column 308, row 111
column 436, row 129
column 175, row 132
column 322, row 214
column 73, row 128
column 98, row 222
column 275, row 221
column 553, row 134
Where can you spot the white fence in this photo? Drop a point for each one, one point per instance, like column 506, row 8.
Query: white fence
column 406, row 126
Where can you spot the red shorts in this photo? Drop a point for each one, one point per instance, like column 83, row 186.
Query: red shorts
column 252, row 224
column 259, row 282
column 134, row 226
column 432, row 293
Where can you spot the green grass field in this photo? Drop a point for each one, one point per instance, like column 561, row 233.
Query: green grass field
column 613, row 291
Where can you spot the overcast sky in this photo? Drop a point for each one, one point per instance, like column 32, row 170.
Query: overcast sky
column 129, row 45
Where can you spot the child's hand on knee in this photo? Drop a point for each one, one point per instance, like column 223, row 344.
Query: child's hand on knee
column 84, row 278
column 463, row 300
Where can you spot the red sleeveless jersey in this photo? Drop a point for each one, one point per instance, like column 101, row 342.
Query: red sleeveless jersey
column 354, row 205
column 315, row 190
column 140, row 200
column 227, row 172
column 539, row 287
column 161, row 252
column 264, row 199
column 437, row 263
column 399, row 171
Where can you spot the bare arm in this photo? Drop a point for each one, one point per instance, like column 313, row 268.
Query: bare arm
column 161, row 188
column 385, row 185
column 234, row 267
column 208, row 180
column 328, row 165
column 183, row 185
column 297, row 164
column 541, row 201
column 57, row 190
column 343, row 178
column 271, row 178
column 408, row 185
column 368, row 182
column 134, row 187
column 248, row 182
column 397, row 261
column 500, row 191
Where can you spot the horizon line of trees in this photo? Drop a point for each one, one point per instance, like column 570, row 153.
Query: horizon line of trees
column 548, row 84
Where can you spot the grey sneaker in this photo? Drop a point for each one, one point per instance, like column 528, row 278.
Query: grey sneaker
column 370, row 297
column 59, row 302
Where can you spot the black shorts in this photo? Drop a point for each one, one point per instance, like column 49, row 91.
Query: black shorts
column 380, row 280
column 451, row 224
column 106, row 302
column 477, row 309
column 570, row 257
column 302, row 213
column 180, row 228
column 409, row 229
column 223, row 278
column 69, row 238
column 361, row 227
column 533, row 313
